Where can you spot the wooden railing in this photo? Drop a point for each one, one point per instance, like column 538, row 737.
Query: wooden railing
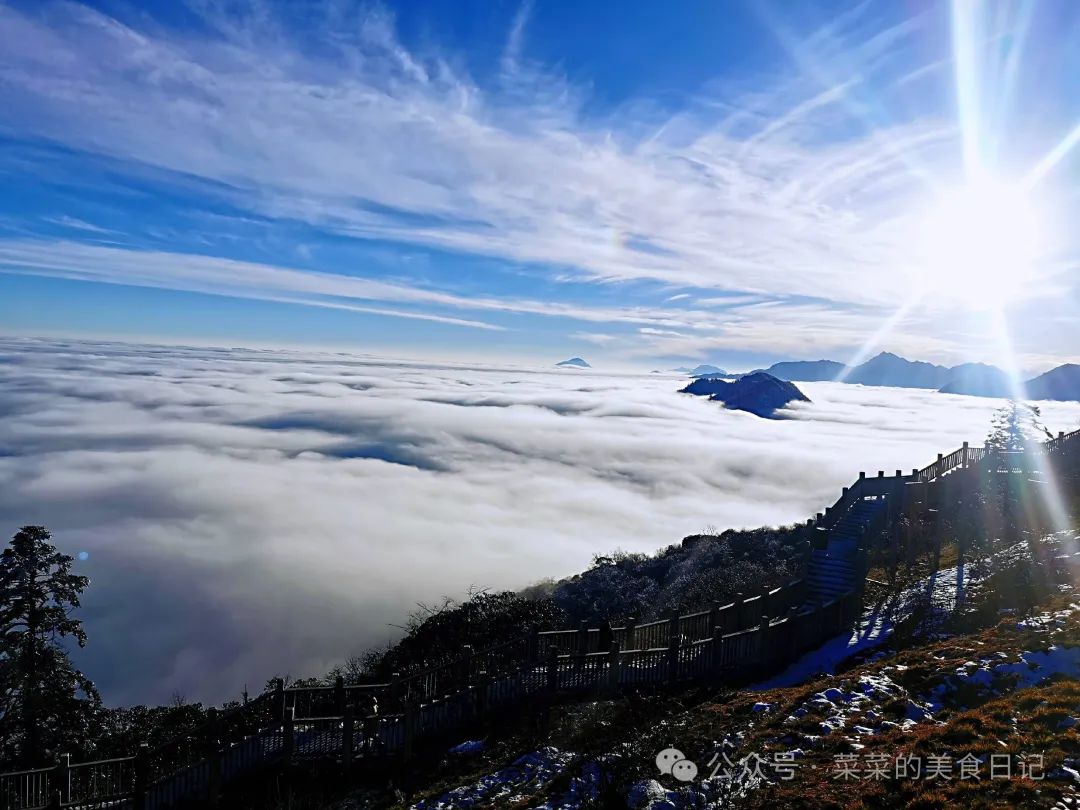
column 968, row 456
column 332, row 721
column 27, row 789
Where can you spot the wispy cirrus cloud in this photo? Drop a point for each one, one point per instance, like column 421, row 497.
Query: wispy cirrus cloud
column 369, row 139
column 221, row 276
column 792, row 186
column 728, row 323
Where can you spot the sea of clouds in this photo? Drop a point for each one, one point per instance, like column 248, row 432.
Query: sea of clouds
column 246, row 513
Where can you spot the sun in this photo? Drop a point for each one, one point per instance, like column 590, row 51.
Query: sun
column 978, row 245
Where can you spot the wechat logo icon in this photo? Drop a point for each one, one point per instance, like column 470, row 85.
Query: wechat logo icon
column 672, row 761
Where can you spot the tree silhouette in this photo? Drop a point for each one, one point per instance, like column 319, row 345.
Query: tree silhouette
column 45, row 702
column 1016, row 426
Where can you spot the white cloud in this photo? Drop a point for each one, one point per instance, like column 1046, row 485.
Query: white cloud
column 252, row 512
column 378, row 142
column 793, row 192
column 212, row 274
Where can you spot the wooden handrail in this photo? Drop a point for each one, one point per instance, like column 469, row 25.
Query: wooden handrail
column 967, row 456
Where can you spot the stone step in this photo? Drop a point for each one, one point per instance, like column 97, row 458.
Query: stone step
column 833, row 587
column 830, row 576
column 832, row 565
column 831, row 592
column 847, row 576
column 844, row 534
column 821, row 597
column 832, row 570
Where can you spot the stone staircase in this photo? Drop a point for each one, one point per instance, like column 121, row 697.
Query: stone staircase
column 834, row 568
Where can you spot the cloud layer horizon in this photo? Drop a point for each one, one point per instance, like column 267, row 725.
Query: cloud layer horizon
column 250, row 513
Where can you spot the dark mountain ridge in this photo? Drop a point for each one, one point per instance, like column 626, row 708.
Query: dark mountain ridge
column 760, row 394
column 971, row 379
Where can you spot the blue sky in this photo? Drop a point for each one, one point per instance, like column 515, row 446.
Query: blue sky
column 732, row 182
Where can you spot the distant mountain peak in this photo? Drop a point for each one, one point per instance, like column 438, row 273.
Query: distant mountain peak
column 705, row 369
column 978, row 380
column 1061, row 383
column 574, row 362
column 892, row 370
column 971, row 379
column 806, row 370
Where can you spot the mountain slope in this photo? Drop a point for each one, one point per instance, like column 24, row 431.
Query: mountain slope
column 574, row 362
column 806, row 370
column 888, row 369
column 977, row 380
column 760, row 394
column 1061, row 383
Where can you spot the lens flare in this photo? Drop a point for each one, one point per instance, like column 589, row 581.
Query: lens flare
column 978, row 244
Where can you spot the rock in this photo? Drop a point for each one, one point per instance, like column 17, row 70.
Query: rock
column 468, row 747
column 646, row 794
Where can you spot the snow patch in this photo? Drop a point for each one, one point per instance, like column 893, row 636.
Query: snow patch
column 527, row 774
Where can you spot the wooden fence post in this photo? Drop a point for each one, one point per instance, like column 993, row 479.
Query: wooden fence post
column 395, row 689
column 630, row 633
column 482, row 681
column 613, row 672
column 142, row 776
column 279, row 699
column 714, row 617
column 717, row 652
column 63, row 776
column 213, row 787
column 466, row 663
column 348, row 730
column 339, row 696
column 673, row 624
column 582, row 638
column 674, row 646
column 410, row 729
column 288, row 732
column 552, row 670
column 765, row 648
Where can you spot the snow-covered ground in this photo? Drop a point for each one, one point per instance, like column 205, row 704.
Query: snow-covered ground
column 526, row 776
column 940, row 592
